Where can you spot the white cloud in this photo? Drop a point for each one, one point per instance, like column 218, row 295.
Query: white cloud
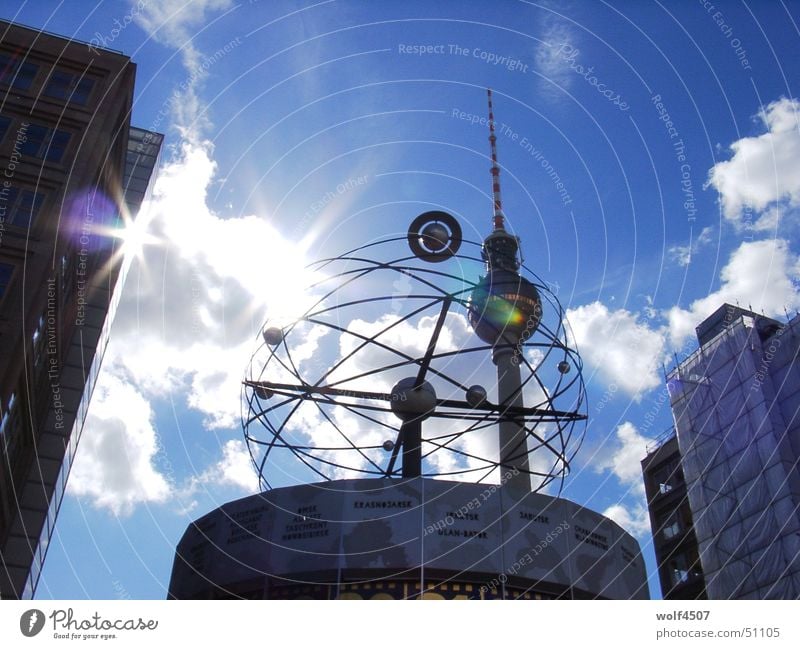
column 633, row 519
column 624, row 458
column 770, row 219
column 760, row 274
column 764, row 170
column 185, row 330
column 176, row 23
column 115, row 462
column 551, row 56
column 625, row 351
column 189, row 327
column 235, row 467
column 683, row 254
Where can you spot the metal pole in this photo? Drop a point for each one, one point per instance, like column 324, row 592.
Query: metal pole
column 412, row 448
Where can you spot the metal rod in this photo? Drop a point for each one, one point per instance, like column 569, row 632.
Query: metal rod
column 411, row 432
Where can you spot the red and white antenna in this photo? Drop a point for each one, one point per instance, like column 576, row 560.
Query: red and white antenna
column 498, row 204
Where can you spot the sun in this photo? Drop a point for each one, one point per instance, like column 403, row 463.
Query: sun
column 280, row 275
column 135, row 236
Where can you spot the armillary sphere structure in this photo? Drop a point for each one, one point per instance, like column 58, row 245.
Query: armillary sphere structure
column 389, row 371
column 412, row 426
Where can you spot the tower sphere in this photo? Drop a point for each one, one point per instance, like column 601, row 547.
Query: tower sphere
column 504, row 308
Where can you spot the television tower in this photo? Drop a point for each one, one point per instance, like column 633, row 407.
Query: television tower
column 505, row 310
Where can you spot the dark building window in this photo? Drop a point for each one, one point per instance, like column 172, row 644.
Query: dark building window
column 16, row 73
column 66, row 277
column 46, row 143
column 38, row 341
column 6, row 271
column 672, row 526
column 22, row 206
column 69, row 87
column 5, row 419
column 679, row 570
column 684, row 567
column 666, row 477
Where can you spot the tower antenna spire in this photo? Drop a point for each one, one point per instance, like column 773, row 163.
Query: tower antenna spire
column 500, row 248
column 498, row 203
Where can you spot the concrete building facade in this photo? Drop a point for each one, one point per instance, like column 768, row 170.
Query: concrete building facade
column 73, row 171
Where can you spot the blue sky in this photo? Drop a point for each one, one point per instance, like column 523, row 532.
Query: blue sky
column 651, row 166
